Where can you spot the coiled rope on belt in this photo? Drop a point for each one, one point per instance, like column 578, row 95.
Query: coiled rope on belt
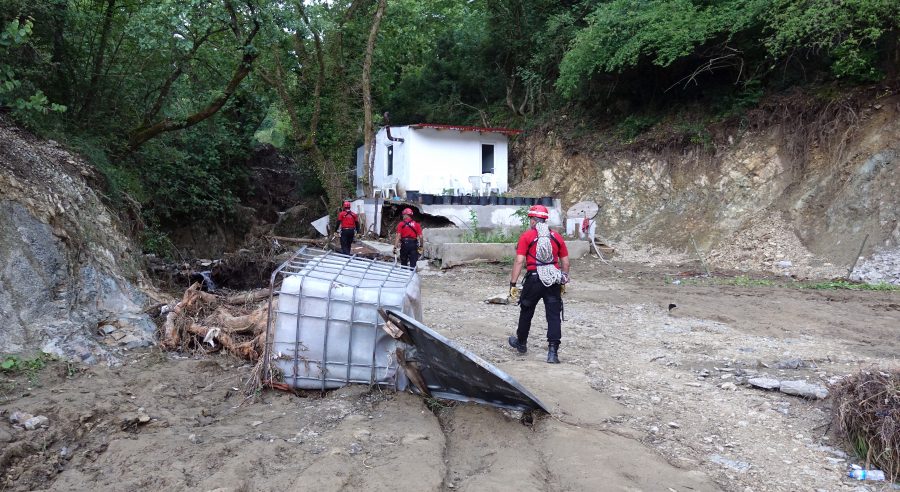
column 543, row 255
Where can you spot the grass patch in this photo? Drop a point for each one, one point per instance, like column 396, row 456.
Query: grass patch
column 14, row 365
column 747, row 281
column 848, row 285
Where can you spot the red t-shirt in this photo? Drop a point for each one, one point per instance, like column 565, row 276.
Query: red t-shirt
column 409, row 230
column 527, row 246
column 347, row 219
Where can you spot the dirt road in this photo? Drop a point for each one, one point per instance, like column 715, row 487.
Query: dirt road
column 642, row 401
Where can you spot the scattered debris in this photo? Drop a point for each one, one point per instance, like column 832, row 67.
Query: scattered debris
column 738, row 466
column 790, row 364
column 497, row 300
column 866, row 411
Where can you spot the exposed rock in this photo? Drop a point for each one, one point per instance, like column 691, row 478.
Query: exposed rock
column 764, row 383
column 883, row 266
column 19, row 417
column 36, row 422
column 65, row 265
column 804, row 389
column 738, row 466
column 790, row 364
column 497, row 300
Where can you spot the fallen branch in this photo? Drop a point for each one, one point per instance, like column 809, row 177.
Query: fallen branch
column 248, row 298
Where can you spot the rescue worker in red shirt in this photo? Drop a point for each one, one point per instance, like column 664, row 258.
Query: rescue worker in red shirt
column 409, row 239
column 348, row 224
column 545, row 257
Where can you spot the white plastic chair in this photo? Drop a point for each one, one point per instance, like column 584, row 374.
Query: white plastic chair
column 487, row 180
column 389, row 188
column 476, row 185
column 456, row 185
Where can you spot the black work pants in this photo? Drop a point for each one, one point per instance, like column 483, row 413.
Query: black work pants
column 347, row 240
column 409, row 252
column 532, row 292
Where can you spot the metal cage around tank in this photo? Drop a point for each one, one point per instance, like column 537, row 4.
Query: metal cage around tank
column 324, row 330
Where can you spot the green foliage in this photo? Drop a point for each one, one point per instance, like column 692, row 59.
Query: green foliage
column 14, row 365
column 12, row 92
column 633, row 125
column 745, row 281
column 275, row 129
column 522, row 214
column 848, row 31
column 625, row 34
column 622, row 33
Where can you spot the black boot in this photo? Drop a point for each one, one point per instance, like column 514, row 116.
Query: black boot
column 552, row 357
column 516, row 344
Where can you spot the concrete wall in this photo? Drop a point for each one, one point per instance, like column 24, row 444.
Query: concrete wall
column 492, row 216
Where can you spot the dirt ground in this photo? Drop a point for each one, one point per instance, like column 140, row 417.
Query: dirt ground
column 638, row 401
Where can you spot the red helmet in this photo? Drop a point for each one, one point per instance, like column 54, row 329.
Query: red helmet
column 407, row 211
column 538, row 212
column 346, row 204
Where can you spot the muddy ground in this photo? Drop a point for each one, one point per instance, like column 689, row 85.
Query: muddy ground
column 638, row 402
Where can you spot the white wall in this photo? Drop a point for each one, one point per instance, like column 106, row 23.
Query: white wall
column 429, row 159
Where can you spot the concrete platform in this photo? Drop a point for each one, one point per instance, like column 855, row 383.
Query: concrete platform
column 455, row 254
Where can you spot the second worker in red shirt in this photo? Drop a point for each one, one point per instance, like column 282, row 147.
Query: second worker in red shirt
column 409, row 240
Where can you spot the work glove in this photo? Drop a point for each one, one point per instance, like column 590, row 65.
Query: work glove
column 395, row 251
column 420, row 250
column 513, row 291
column 562, row 289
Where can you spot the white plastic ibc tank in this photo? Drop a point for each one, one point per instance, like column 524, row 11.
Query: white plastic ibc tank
column 327, row 319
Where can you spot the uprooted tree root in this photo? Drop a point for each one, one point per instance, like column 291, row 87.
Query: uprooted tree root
column 867, row 412
column 205, row 321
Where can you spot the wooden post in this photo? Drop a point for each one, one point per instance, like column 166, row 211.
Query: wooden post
column 702, row 262
column 856, row 258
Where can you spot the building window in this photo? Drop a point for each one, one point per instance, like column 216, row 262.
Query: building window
column 487, row 159
column 390, row 160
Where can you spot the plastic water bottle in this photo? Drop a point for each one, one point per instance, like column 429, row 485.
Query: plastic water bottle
column 867, row 475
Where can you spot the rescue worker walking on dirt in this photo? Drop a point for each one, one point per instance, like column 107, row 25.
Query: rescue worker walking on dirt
column 409, row 239
column 545, row 257
column 348, row 224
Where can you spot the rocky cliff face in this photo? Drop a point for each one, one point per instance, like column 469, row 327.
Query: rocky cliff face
column 67, row 272
column 749, row 202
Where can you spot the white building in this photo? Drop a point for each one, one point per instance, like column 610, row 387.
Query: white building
column 431, row 158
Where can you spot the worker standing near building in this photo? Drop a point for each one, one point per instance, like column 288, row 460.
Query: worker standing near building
column 409, row 240
column 348, row 224
column 545, row 257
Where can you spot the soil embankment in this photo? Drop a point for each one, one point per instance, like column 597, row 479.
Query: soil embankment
column 796, row 181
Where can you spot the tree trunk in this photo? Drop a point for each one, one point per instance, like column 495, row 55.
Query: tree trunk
column 59, row 57
column 98, row 60
column 367, row 94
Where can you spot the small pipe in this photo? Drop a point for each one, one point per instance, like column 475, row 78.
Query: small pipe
column 387, row 127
